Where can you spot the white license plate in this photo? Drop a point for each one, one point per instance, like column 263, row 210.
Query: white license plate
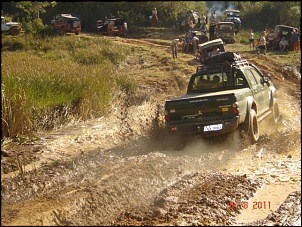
column 212, row 128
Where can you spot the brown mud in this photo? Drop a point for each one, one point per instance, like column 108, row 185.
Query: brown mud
column 119, row 170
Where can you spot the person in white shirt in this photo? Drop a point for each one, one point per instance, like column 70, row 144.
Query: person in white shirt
column 251, row 39
column 174, row 47
column 154, row 13
column 283, row 44
column 262, row 43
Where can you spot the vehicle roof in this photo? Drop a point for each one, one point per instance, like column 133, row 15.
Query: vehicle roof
column 70, row 17
column 284, row 26
column 225, row 22
column 211, row 43
column 114, row 19
column 232, row 10
column 64, row 14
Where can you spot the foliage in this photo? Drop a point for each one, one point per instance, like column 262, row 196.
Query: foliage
column 265, row 14
column 34, row 27
column 257, row 15
column 33, row 8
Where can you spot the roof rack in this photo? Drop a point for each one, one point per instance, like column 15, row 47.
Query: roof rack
column 242, row 62
column 225, row 64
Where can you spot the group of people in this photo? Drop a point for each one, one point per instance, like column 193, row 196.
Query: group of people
column 190, row 38
column 266, row 41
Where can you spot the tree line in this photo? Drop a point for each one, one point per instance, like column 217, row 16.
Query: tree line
column 257, row 15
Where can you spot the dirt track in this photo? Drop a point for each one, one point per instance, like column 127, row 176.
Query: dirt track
column 119, row 170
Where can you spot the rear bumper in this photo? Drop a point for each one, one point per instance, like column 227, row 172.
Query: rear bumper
column 228, row 125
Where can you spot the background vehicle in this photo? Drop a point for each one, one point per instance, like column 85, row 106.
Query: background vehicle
column 222, row 98
column 280, row 32
column 205, row 49
column 66, row 23
column 233, row 15
column 11, row 28
column 225, row 31
column 113, row 26
column 184, row 19
column 189, row 47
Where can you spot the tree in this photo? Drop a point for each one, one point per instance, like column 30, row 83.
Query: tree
column 33, row 9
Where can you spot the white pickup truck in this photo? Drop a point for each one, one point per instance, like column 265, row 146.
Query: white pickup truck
column 11, row 28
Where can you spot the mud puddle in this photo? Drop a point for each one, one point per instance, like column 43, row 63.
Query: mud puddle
column 266, row 201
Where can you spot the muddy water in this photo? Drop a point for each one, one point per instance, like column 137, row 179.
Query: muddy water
column 266, row 200
column 119, row 177
column 275, row 158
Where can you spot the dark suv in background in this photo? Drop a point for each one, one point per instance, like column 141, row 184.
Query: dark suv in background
column 283, row 31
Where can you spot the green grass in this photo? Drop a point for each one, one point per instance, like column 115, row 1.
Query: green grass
column 47, row 80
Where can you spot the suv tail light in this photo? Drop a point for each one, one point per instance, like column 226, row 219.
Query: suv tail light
column 235, row 108
column 166, row 116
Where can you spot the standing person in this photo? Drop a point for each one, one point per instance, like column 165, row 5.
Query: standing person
column 288, row 38
column 271, row 37
column 251, row 39
column 203, row 17
column 174, row 47
column 296, row 40
column 203, row 27
column 283, row 44
column 195, row 42
column 262, row 43
column 191, row 24
column 154, row 13
column 212, row 25
column 187, row 41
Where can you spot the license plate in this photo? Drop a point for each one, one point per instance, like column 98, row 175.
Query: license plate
column 212, row 128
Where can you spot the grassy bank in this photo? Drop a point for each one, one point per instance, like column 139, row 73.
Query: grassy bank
column 47, row 81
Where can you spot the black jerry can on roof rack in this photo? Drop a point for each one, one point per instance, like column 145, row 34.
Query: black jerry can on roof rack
column 223, row 56
column 222, row 65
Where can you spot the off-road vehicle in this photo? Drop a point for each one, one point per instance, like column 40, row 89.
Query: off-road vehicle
column 205, row 49
column 184, row 19
column 202, row 37
column 221, row 98
column 225, row 31
column 280, row 32
column 66, row 23
column 113, row 26
column 233, row 15
column 11, row 28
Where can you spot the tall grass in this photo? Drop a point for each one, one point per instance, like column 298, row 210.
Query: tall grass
column 48, row 81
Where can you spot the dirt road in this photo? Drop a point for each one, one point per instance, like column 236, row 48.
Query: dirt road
column 119, row 170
